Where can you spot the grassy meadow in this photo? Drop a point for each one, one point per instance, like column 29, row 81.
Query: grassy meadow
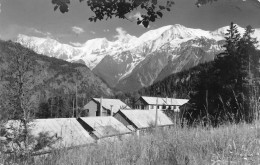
column 229, row 144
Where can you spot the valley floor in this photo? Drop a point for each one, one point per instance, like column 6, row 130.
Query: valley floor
column 230, row 144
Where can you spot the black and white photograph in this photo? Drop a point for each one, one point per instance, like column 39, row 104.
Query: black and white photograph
column 129, row 82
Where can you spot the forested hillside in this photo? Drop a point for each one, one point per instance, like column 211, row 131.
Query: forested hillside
column 52, row 83
column 178, row 85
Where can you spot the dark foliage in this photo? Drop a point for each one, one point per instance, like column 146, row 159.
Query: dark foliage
column 62, row 107
column 107, row 9
column 179, row 85
column 219, row 91
column 53, row 88
column 223, row 94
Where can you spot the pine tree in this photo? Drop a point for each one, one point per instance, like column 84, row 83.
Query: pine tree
column 221, row 91
column 235, row 70
column 248, row 48
column 226, row 62
column 232, row 38
column 249, row 70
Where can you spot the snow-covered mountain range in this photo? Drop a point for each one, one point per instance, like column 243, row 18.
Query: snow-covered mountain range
column 131, row 62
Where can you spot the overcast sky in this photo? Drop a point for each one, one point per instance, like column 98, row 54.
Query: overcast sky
column 37, row 18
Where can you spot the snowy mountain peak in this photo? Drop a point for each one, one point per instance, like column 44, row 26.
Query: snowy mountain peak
column 130, row 62
column 48, row 46
column 153, row 34
column 223, row 30
column 179, row 31
column 94, row 50
column 95, row 44
column 178, row 27
column 96, row 40
column 27, row 39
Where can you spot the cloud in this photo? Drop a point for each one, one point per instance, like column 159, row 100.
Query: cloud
column 36, row 31
column 258, row 1
column 135, row 16
column 106, row 30
column 13, row 30
column 77, row 30
column 92, row 32
column 121, row 33
column 255, row 0
column 76, row 44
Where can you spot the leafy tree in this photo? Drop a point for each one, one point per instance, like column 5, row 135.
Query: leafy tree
column 107, row 9
column 20, row 90
column 20, row 103
column 43, row 110
column 60, row 107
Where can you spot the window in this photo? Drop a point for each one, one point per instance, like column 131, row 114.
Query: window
column 106, row 112
column 158, row 106
column 142, row 106
column 164, row 107
column 151, row 106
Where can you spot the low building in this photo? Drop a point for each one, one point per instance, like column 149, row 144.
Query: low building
column 142, row 119
column 103, row 127
column 150, row 103
column 92, row 108
column 64, row 132
column 69, row 130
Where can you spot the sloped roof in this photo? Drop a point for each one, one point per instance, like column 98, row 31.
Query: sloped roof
column 69, row 129
column 70, row 132
column 164, row 101
column 116, row 103
column 144, row 118
column 105, row 126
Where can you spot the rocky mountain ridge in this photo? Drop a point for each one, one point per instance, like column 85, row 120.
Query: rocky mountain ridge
column 133, row 62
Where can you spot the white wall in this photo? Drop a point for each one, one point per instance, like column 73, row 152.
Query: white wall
column 92, row 107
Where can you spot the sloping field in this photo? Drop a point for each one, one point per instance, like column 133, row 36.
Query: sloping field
column 230, row 144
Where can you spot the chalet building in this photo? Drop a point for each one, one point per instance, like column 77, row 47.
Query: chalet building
column 92, row 108
column 142, row 119
column 150, row 103
column 104, row 127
